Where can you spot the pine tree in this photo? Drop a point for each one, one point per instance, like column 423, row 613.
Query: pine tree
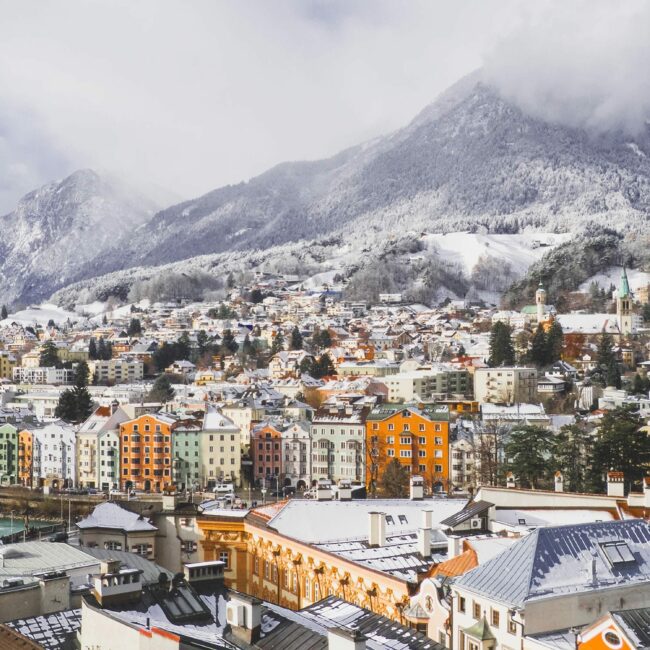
column 162, row 390
column 324, row 366
column 76, row 404
column 539, row 348
column 101, row 348
column 4, row 314
column 605, row 354
column 554, row 342
column 572, row 452
column 613, row 375
column 296, row 339
column 638, row 386
column 502, row 351
column 620, row 445
column 278, row 343
column 528, row 452
column 49, row 356
column 92, row 349
column 135, row 327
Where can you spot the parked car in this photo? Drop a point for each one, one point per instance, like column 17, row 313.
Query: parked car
column 58, row 537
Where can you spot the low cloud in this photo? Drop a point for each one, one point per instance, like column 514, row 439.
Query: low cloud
column 580, row 63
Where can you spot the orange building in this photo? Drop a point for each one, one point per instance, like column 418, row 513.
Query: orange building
column 616, row 631
column 146, row 458
column 25, row 458
column 417, row 437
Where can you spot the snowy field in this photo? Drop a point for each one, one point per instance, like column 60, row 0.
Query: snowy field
column 520, row 250
column 637, row 279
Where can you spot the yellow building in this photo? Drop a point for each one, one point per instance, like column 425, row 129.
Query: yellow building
column 7, row 364
column 287, row 553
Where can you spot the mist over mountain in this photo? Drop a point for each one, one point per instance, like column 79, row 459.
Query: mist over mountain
column 55, row 232
column 469, row 161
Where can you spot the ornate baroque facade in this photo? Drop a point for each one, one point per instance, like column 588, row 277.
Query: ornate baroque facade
column 293, row 574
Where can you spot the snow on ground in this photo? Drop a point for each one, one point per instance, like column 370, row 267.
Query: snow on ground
column 519, row 250
column 637, row 279
column 40, row 314
column 318, row 280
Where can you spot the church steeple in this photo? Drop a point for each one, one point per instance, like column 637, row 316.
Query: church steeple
column 540, row 300
column 624, row 309
column 624, row 289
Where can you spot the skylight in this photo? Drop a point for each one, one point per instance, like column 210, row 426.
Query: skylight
column 617, row 552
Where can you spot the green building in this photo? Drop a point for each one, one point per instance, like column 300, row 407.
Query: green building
column 8, row 454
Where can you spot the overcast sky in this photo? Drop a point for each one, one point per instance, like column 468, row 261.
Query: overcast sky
column 188, row 95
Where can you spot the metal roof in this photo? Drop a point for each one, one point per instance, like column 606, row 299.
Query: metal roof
column 635, row 623
column 564, row 559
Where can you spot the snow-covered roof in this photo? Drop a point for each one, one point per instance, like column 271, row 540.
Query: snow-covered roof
column 110, row 515
column 331, row 521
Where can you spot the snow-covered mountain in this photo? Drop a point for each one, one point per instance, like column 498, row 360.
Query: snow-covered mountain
column 56, row 232
column 470, row 161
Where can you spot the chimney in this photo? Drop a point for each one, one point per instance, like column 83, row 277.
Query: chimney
column 510, row 480
column 117, row 586
column 424, row 542
column 244, row 615
column 323, row 490
column 345, row 490
column 417, row 488
column 377, row 536
column 559, row 482
column 454, row 546
column 343, row 638
column 204, row 572
column 646, row 492
column 615, row 484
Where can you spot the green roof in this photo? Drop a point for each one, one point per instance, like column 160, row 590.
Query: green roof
column 624, row 290
column 385, row 411
column 480, row 631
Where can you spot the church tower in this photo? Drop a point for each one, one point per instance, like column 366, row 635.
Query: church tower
column 624, row 311
column 540, row 301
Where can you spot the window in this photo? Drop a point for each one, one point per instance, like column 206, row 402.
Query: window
column 472, row 645
column 494, row 615
column 307, row 586
column 189, row 547
column 421, row 427
column 617, row 552
column 461, row 604
column 512, row 626
column 438, row 440
column 224, row 556
column 476, row 610
column 391, row 427
column 256, row 565
column 422, row 440
column 140, row 549
column 405, row 453
column 390, row 440
column 390, row 453
column 437, row 469
column 113, row 546
column 422, row 453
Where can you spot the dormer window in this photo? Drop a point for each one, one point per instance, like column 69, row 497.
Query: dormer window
column 617, row 552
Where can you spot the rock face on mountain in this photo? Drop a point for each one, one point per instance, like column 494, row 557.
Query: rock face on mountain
column 468, row 161
column 57, row 231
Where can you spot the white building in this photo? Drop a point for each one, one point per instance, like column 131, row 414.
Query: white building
column 296, row 452
column 116, row 371
column 24, row 375
column 505, row 385
column 55, row 454
column 338, row 441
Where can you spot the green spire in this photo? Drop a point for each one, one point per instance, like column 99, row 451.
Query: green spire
column 624, row 290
